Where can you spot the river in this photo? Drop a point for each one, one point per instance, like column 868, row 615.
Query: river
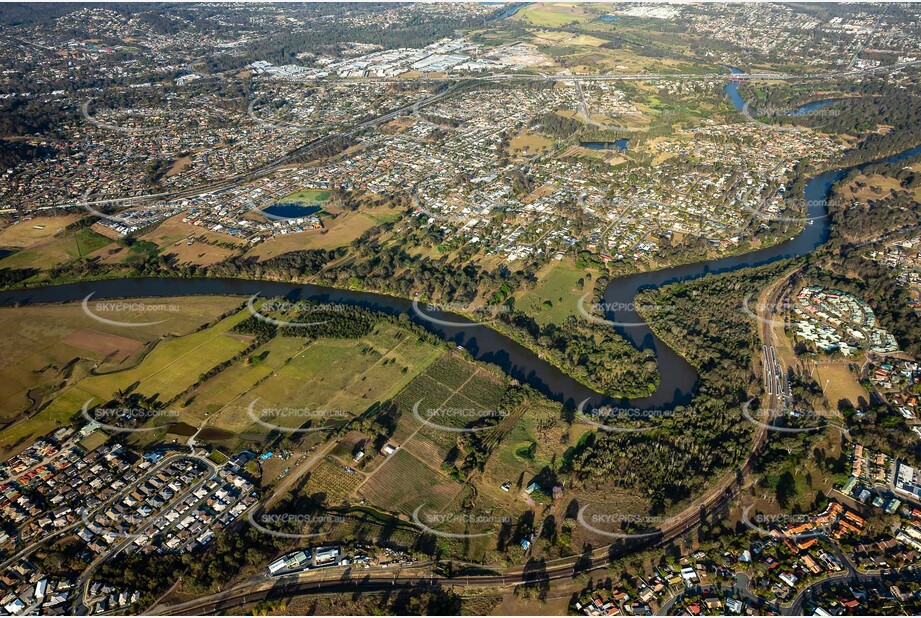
column 808, row 108
column 512, row 9
column 678, row 378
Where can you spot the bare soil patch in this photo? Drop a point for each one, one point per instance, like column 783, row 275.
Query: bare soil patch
column 103, row 343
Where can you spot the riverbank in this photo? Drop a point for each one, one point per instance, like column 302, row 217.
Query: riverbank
column 678, row 379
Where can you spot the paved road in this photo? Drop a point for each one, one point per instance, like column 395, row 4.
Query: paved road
column 795, row 607
column 83, row 582
column 739, row 590
column 25, row 551
column 458, row 84
column 349, row 580
column 266, row 169
column 257, row 589
column 44, row 462
column 722, row 493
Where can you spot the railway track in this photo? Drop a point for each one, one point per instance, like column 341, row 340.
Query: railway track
column 566, row 568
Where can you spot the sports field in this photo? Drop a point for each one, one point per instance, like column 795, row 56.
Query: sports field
column 306, row 196
column 556, row 295
column 838, row 382
column 54, row 250
column 554, row 15
column 529, row 144
column 31, row 231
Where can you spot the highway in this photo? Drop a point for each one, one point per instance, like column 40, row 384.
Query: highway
column 723, row 492
column 776, row 383
column 259, row 172
column 261, row 587
column 458, row 84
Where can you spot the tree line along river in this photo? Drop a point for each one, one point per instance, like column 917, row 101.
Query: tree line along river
column 678, row 379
